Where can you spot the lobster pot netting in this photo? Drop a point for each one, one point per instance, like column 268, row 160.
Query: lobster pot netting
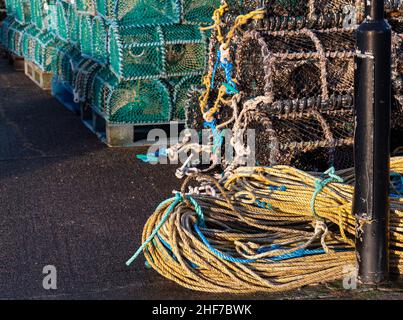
column 137, row 101
column 198, row 11
column 157, row 52
column 126, row 13
column 99, row 40
column 28, row 42
column 93, row 38
column 12, row 34
column 39, row 14
column 86, row 6
column 84, row 73
column 45, row 48
column 140, row 12
column 85, row 35
column 297, row 64
column 20, row 10
column 38, row 47
column 299, row 100
column 65, row 63
column 298, row 14
column 181, row 95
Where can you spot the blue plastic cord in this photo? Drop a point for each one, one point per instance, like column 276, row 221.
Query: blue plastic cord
column 321, row 184
column 227, row 66
column 176, row 200
column 287, row 256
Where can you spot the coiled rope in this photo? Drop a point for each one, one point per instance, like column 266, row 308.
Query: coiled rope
column 263, row 229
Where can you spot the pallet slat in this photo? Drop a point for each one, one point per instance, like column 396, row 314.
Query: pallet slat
column 39, row 77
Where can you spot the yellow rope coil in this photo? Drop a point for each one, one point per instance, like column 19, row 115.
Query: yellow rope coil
column 254, row 228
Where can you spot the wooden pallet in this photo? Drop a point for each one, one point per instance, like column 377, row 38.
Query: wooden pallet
column 123, row 135
column 16, row 61
column 41, row 78
column 112, row 134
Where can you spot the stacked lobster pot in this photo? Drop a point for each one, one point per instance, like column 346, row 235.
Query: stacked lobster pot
column 299, row 100
column 135, row 58
column 128, row 63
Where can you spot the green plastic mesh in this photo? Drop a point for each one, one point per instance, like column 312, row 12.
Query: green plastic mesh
column 86, row 6
column 38, row 14
column 181, row 95
column 62, row 20
column 84, row 74
column 99, row 45
column 22, row 11
column 185, row 50
column 64, row 64
column 85, row 35
column 157, row 52
column 137, row 101
column 140, row 12
column 132, row 60
column 12, row 33
column 45, row 48
column 136, row 53
column 28, row 42
column 73, row 25
column 198, row 11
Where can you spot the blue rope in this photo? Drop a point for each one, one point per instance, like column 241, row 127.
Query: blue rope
column 152, row 157
column 218, row 137
column 176, row 200
column 321, row 184
column 227, row 66
column 397, row 182
column 296, row 254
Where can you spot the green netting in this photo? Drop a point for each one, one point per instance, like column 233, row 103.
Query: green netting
column 185, row 50
column 99, row 45
column 45, row 48
column 21, row 11
column 65, row 63
column 51, row 17
column 86, row 6
column 137, row 101
column 181, row 95
column 12, row 33
column 117, row 65
column 85, row 35
column 84, row 74
column 140, row 12
column 62, row 21
column 102, row 85
column 157, row 52
column 198, row 11
column 73, row 25
column 136, row 53
column 38, row 14
column 9, row 5
column 28, row 42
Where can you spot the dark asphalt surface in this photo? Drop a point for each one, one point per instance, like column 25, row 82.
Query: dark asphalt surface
column 69, row 201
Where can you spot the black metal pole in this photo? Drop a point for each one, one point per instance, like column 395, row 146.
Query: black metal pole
column 371, row 150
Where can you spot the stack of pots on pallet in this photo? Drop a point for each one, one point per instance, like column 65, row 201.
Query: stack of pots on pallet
column 130, row 62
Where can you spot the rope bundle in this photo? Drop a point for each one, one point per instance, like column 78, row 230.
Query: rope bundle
column 262, row 229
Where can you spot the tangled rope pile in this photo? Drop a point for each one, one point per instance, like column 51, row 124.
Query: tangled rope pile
column 265, row 229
